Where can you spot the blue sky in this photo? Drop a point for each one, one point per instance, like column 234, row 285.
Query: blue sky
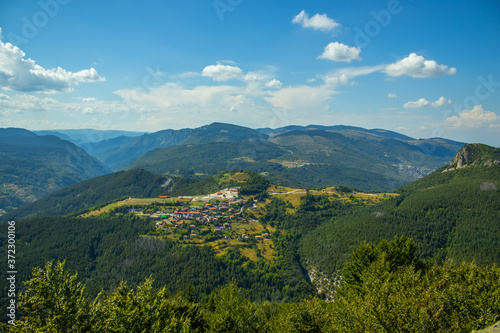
column 421, row 68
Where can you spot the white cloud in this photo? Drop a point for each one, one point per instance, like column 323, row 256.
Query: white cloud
column 18, row 73
column 89, row 110
column 416, row 104
column 25, row 102
column 274, row 84
column 256, row 76
column 494, row 127
column 175, row 97
column 87, row 99
column 392, row 95
column 253, row 103
column 339, row 52
column 475, row 118
column 442, row 101
column 317, row 22
column 416, row 66
column 337, row 80
column 343, row 76
column 222, row 72
column 301, row 98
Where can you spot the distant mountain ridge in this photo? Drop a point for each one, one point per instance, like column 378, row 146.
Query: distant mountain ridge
column 87, row 137
column 336, row 128
column 301, row 156
column 119, row 152
column 32, row 166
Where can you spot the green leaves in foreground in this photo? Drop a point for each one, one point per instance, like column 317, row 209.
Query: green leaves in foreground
column 444, row 299
column 54, row 302
column 386, row 288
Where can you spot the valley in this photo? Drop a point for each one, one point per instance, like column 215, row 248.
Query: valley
column 257, row 232
column 294, row 156
column 224, row 220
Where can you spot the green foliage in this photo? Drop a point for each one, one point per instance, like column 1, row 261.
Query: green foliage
column 53, row 302
column 397, row 253
column 306, row 316
column 255, row 184
column 144, row 310
column 449, row 298
column 392, row 295
column 228, row 312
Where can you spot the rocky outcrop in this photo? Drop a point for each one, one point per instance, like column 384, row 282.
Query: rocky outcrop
column 474, row 155
column 324, row 284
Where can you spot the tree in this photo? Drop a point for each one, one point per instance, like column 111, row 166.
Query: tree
column 143, row 310
column 306, row 316
column 53, row 302
column 386, row 255
column 230, row 312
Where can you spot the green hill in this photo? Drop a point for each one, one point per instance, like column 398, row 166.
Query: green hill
column 314, row 156
column 452, row 213
column 119, row 152
column 99, row 190
column 209, row 158
column 33, row 166
column 301, row 156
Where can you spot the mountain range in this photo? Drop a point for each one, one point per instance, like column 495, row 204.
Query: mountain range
column 301, row 156
column 119, row 152
column 310, row 156
column 32, row 166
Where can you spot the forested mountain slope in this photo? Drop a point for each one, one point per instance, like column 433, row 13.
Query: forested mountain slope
column 33, row 166
column 99, row 190
column 452, row 213
column 119, row 152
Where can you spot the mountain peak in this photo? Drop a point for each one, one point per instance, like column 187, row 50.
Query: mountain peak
column 12, row 131
column 475, row 154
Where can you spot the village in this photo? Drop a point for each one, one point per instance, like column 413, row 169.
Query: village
column 220, row 219
column 223, row 220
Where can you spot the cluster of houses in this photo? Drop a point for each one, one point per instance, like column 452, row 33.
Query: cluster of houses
column 216, row 214
column 245, row 237
column 204, row 214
